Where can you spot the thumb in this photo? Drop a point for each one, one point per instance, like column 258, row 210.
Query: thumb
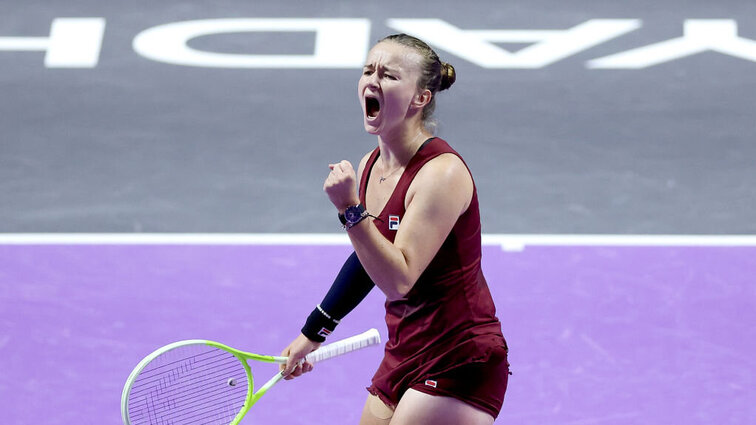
column 288, row 367
column 291, row 366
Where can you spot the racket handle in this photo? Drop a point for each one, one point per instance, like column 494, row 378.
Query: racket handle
column 344, row 346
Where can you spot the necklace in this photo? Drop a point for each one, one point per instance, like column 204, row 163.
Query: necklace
column 384, row 177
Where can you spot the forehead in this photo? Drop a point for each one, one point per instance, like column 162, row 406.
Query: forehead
column 393, row 55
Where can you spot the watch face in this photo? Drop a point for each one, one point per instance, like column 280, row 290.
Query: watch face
column 353, row 214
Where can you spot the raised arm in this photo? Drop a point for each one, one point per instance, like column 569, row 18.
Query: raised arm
column 440, row 192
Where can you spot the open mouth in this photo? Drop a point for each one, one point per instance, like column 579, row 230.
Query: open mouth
column 372, row 106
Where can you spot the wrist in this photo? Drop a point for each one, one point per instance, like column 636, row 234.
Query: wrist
column 308, row 339
column 319, row 325
column 353, row 215
column 344, row 207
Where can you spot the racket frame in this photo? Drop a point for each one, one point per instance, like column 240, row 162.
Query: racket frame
column 370, row 337
column 242, row 356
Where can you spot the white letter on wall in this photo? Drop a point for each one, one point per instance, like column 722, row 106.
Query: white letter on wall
column 73, row 43
column 550, row 45
column 700, row 35
column 339, row 43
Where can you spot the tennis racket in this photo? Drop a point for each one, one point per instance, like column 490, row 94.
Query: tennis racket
column 199, row 382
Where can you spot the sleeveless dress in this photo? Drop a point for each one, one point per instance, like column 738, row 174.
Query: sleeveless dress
column 448, row 319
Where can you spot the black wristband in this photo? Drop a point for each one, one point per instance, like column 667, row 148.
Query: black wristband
column 349, row 288
column 319, row 325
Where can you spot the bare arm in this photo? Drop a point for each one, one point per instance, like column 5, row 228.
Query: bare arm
column 439, row 194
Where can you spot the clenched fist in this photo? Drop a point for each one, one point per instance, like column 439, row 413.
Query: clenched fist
column 341, row 185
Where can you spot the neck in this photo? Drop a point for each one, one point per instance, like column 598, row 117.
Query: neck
column 397, row 149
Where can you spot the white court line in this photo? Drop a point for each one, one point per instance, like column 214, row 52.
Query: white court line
column 508, row 242
column 173, row 239
column 519, row 242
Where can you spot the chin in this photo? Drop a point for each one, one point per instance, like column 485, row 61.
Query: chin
column 372, row 128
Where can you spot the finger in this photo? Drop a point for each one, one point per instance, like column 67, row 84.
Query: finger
column 290, row 372
column 344, row 165
column 285, row 353
column 297, row 371
column 329, row 183
column 289, row 367
column 294, row 361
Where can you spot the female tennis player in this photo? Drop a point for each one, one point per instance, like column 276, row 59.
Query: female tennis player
column 414, row 224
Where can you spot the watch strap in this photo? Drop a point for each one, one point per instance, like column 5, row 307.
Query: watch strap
column 363, row 215
column 346, row 222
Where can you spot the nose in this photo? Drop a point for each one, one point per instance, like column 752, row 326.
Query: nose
column 372, row 80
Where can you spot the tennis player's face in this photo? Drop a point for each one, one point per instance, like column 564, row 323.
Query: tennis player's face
column 388, row 86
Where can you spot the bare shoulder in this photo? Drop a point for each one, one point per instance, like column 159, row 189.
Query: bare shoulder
column 445, row 178
column 444, row 169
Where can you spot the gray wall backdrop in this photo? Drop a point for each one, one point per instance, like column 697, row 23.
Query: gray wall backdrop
column 136, row 145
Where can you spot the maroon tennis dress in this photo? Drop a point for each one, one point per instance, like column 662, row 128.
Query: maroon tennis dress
column 444, row 336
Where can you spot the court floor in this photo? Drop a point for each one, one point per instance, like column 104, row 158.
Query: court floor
column 99, row 164
column 600, row 333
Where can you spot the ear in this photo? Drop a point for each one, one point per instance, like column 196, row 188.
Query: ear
column 422, row 98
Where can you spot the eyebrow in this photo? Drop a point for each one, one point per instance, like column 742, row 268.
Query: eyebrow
column 387, row 68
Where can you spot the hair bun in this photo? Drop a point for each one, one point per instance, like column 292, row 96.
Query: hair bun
column 448, row 76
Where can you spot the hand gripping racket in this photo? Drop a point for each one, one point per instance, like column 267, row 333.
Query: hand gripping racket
column 198, row 382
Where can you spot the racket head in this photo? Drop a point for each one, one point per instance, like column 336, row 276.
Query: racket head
column 192, row 380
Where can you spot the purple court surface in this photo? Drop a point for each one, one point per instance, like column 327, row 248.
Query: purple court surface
column 599, row 334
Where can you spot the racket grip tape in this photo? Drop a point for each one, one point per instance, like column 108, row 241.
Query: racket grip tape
column 344, row 346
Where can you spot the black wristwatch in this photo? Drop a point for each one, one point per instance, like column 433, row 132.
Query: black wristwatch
column 353, row 215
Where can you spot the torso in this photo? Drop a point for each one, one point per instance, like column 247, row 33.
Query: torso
column 448, row 318
column 379, row 189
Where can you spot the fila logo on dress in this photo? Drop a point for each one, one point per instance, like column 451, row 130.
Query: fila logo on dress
column 393, row 222
column 431, row 383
